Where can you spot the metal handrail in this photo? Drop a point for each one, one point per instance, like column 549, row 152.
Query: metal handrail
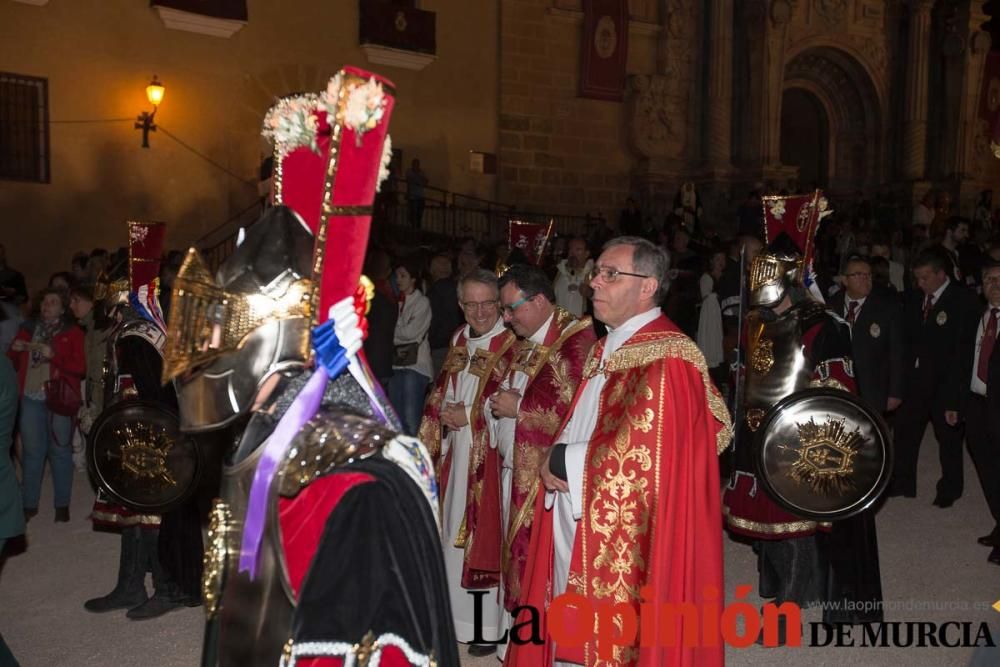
column 446, row 214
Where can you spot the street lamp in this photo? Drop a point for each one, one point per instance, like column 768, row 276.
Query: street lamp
column 154, row 93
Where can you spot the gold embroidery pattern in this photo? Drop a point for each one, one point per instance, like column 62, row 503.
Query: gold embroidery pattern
column 767, row 528
column 529, row 358
column 832, row 383
column 762, row 357
column 630, row 389
column 546, row 420
column 520, row 520
column 527, row 462
column 619, row 507
column 671, row 345
column 481, row 363
column 561, row 380
column 430, row 428
column 214, row 561
column 457, row 359
column 825, row 456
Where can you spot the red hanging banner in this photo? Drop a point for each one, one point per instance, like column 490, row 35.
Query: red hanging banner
column 604, row 49
column 530, row 237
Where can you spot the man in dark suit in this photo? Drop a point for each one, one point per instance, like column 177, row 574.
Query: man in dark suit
column 876, row 320
column 934, row 318
column 980, row 384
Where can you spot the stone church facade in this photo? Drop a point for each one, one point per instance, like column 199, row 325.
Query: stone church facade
column 851, row 95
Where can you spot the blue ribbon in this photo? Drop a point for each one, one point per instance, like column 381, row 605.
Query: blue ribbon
column 329, row 352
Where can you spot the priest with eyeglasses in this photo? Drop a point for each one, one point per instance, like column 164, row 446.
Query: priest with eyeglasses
column 630, row 508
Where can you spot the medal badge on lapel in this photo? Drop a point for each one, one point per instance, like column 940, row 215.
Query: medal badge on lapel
column 942, row 317
column 875, row 330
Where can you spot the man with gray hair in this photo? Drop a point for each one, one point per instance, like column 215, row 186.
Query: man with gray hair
column 637, row 460
column 469, row 446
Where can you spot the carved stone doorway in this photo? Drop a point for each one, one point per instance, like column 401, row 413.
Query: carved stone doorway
column 830, row 109
column 805, row 136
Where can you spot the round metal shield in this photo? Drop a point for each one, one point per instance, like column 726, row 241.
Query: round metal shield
column 823, row 455
column 137, row 454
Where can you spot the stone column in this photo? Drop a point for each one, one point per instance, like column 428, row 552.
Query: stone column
column 780, row 14
column 915, row 111
column 718, row 149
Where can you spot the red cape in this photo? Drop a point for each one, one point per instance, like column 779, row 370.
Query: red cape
column 651, row 512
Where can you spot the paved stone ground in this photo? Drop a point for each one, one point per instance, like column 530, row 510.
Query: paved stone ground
column 932, row 570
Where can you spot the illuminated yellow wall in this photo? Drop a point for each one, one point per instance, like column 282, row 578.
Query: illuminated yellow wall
column 99, row 56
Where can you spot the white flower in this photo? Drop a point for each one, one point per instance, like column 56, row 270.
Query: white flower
column 777, row 208
column 138, row 233
column 383, row 168
column 359, row 106
column 291, row 123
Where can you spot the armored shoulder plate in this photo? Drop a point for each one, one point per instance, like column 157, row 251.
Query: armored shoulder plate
column 329, row 440
column 147, row 331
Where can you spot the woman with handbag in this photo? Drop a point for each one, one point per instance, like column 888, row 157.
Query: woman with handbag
column 48, row 353
column 412, row 369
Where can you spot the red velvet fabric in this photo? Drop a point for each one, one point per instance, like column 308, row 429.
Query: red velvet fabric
column 303, row 519
column 354, row 169
column 356, row 180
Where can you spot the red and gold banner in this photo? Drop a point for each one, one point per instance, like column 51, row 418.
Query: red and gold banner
column 604, row 49
column 145, row 248
column 530, row 238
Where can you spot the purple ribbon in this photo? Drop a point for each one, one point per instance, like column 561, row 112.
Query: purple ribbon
column 332, row 360
column 304, row 408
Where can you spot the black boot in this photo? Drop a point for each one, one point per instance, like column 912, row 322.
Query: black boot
column 62, row 515
column 165, row 594
column 131, row 587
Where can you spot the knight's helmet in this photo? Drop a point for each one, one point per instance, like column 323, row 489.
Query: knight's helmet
column 790, row 224
column 135, row 282
column 230, row 333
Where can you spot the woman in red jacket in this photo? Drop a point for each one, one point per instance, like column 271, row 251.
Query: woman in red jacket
column 48, row 353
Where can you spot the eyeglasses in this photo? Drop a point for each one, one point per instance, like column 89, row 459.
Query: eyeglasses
column 509, row 310
column 473, row 306
column 858, row 274
column 610, row 275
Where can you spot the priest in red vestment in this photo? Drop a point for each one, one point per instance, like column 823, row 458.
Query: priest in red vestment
column 535, row 397
column 467, row 445
column 631, row 512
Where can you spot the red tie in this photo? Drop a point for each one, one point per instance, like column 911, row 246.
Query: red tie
column 928, row 302
column 986, row 347
column 852, row 311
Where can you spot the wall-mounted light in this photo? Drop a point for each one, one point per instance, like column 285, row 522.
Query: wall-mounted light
column 154, row 93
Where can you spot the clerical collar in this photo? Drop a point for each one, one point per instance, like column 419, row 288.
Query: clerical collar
column 618, row 336
column 539, row 336
column 497, row 328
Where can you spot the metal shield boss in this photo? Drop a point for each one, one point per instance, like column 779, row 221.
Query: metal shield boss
column 823, row 455
column 138, row 455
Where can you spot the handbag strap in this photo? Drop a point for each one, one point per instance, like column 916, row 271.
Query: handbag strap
column 52, row 430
